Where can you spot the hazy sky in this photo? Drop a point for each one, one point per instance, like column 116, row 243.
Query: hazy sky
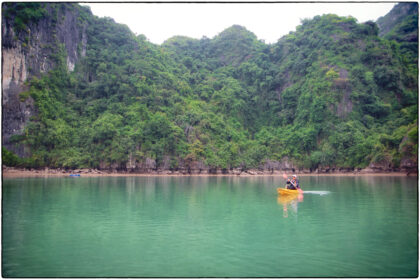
column 269, row 22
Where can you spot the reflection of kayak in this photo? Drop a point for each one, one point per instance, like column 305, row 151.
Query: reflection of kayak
column 282, row 191
column 285, row 199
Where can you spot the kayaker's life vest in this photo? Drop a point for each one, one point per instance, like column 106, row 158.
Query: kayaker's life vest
column 295, row 183
column 289, row 186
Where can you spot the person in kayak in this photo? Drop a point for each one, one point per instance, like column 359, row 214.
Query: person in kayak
column 295, row 182
column 292, row 184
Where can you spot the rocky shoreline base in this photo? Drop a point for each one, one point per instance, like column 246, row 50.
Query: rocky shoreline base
column 19, row 172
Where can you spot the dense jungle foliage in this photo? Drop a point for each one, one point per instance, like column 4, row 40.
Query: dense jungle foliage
column 332, row 93
column 401, row 25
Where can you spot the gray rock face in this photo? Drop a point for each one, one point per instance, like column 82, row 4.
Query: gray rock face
column 27, row 54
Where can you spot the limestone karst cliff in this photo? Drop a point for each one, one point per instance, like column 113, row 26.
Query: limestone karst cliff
column 29, row 51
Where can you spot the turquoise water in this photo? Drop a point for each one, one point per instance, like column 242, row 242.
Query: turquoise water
column 209, row 227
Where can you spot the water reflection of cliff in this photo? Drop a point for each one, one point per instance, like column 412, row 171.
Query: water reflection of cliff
column 289, row 202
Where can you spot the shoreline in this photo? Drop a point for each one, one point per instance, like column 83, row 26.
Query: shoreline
column 22, row 173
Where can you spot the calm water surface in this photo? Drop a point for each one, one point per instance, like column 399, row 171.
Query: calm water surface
column 209, row 227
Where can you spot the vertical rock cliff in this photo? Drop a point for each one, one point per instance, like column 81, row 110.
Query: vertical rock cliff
column 27, row 51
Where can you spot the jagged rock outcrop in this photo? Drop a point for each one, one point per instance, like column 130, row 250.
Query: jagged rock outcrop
column 284, row 165
column 409, row 165
column 29, row 52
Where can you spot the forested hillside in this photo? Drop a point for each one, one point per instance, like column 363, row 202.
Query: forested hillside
column 332, row 95
column 401, row 25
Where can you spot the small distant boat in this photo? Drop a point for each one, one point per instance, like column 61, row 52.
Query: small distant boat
column 74, row 175
column 284, row 191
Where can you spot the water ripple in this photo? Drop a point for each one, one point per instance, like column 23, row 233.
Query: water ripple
column 317, row 192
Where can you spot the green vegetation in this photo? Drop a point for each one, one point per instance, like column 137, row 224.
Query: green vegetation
column 401, row 25
column 24, row 13
column 331, row 94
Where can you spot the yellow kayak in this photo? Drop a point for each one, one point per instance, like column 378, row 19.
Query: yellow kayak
column 283, row 191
